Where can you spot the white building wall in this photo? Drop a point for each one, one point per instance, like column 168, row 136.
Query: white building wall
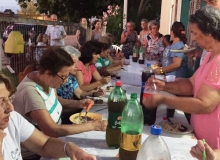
column 169, row 11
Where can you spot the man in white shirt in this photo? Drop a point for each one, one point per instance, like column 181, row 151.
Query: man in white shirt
column 55, row 32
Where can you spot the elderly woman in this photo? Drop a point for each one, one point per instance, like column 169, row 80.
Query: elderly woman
column 71, row 88
column 15, row 131
column 204, row 85
column 154, row 42
column 90, row 53
column 128, row 38
column 37, row 101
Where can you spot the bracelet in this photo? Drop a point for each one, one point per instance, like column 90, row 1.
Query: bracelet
column 161, row 70
column 64, row 148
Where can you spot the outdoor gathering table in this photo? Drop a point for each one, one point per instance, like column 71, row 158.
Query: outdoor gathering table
column 94, row 141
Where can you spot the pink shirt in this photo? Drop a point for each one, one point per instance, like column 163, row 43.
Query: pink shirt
column 87, row 75
column 207, row 126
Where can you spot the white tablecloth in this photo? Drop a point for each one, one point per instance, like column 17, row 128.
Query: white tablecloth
column 94, row 141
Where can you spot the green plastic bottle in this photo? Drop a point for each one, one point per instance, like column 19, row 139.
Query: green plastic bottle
column 116, row 103
column 131, row 129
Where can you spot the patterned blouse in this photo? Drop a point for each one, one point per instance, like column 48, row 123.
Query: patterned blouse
column 155, row 48
column 66, row 90
column 129, row 44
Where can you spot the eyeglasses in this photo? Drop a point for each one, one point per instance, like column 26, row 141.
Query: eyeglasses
column 4, row 103
column 63, row 78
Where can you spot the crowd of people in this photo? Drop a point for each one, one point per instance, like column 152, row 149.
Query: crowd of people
column 67, row 75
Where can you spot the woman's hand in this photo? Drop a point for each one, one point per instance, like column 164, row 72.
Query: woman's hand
column 157, row 71
column 105, row 80
column 99, row 93
column 153, row 101
column 76, row 153
column 100, row 125
column 84, row 103
column 159, row 84
column 197, row 151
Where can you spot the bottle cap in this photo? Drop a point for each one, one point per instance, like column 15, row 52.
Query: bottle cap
column 148, row 64
column 155, row 130
column 133, row 95
column 118, row 83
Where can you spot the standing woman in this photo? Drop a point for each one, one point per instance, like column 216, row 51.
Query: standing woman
column 154, row 43
column 128, row 38
column 96, row 32
column 175, row 63
column 144, row 32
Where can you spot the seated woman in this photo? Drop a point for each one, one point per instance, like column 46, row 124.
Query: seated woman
column 37, row 101
column 71, row 89
column 104, row 65
column 15, row 132
column 90, row 52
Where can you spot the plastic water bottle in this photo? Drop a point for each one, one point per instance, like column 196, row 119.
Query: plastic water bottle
column 154, row 147
column 131, row 129
column 116, row 103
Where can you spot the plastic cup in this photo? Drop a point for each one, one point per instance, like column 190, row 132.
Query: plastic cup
column 170, row 78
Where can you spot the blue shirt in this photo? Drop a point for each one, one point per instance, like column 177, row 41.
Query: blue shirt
column 66, row 90
column 168, row 59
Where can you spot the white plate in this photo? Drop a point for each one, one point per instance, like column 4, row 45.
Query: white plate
column 182, row 50
column 162, row 124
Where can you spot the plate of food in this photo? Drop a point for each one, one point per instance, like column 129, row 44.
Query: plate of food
column 183, row 50
column 176, row 127
column 79, row 118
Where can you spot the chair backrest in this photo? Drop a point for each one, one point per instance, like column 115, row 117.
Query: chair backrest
column 116, row 48
column 27, row 70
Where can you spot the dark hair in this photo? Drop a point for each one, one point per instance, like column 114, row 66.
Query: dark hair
column 8, row 84
column 88, row 49
column 54, row 59
column 105, row 46
column 207, row 20
column 179, row 31
column 94, row 23
column 144, row 20
column 154, row 23
column 167, row 37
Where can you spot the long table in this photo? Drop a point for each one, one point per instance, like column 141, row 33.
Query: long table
column 94, row 141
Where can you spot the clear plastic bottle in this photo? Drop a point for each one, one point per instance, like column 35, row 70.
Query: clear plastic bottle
column 154, row 147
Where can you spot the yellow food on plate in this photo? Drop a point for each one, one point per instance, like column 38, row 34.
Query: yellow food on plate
column 154, row 66
column 79, row 118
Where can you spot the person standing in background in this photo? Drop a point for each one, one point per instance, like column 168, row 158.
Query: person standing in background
column 96, row 32
column 128, row 38
column 55, row 32
column 144, row 32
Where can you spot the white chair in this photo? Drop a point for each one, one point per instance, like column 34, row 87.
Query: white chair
column 116, row 48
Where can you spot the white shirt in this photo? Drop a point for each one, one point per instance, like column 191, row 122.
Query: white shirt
column 18, row 130
column 56, row 32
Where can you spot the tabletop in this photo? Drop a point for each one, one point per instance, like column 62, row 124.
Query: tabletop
column 94, row 141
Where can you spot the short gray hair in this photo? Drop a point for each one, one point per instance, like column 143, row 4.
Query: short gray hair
column 72, row 51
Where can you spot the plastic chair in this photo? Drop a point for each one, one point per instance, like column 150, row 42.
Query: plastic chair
column 27, row 70
column 116, row 48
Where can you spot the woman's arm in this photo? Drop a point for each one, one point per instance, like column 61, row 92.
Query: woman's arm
column 92, row 35
column 204, row 103
column 123, row 37
column 177, row 61
column 77, row 38
column 87, row 87
column 50, row 128
column 44, row 146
